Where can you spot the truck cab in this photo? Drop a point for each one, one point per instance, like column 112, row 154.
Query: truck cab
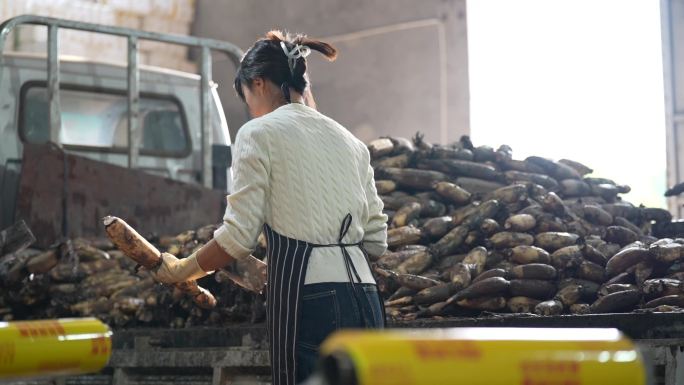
column 180, row 126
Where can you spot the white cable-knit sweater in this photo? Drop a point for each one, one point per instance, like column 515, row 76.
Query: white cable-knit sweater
column 302, row 172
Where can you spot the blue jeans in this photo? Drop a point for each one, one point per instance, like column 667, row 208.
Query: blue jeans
column 327, row 307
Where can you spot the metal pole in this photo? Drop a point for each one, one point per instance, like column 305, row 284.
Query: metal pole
column 205, row 99
column 133, row 102
column 55, row 110
column 231, row 50
column 53, row 84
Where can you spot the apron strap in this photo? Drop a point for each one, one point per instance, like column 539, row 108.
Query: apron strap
column 349, row 265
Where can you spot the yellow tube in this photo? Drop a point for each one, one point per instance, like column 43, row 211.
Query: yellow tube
column 486, row 356
column 53, row 347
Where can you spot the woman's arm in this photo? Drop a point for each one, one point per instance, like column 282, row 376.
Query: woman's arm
column 212, row 257
column 243, row 219
column 206, row 260
column 246, row 205
column 249, row 273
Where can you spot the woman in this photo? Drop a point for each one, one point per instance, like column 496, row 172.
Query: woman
column 307, row 182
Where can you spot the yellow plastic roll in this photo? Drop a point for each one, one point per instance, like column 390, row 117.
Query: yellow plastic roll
column 486, row 356
column 53, row 347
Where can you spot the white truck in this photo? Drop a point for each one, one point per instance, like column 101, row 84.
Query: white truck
column 69, row 127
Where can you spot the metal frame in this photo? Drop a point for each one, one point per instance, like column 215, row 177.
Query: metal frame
column 667, row 354
column 133, row 36
column 245, row 364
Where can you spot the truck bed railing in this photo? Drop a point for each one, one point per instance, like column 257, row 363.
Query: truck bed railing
column 133, row 74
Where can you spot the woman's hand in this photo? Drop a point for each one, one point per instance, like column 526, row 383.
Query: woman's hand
column 174, row 270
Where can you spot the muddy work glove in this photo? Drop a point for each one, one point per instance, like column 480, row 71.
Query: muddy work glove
column 174, row 270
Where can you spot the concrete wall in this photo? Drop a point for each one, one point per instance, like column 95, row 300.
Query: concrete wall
column 673, row 63
column 402, row 67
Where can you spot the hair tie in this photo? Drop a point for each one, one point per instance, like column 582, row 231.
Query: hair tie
column 297, row 52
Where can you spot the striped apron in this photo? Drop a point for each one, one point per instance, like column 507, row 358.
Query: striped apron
column 287, row 262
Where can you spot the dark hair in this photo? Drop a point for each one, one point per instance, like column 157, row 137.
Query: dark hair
column 267, row 60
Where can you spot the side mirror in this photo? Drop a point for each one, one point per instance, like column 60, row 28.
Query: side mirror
column 221, row 159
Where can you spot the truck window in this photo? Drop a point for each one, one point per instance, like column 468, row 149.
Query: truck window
column 97, row 120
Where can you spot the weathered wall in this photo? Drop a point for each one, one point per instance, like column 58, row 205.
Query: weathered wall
column 673, row 63
column 402, row 68
column 166, row 16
